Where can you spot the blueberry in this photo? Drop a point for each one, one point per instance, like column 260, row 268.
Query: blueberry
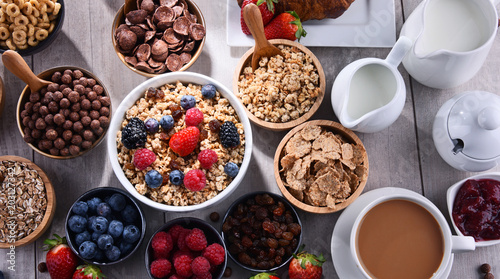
column 117, row 202
column 105, row 242
column 187, row 102
column 95, row 236
column 99, row 255
column 113, row 253
column 77, row 223
column 125, row 247
column 115, row 228
column 176, row 177
column 154, row 179
column 129, row 214
column 167, row 122
column 92, row 203
column 131, row 234
column 100, row 225
column 208, row 91
column 89, row 222
column 152, row 125
column 231, row 169
column 80, row 208
column 104, row 210
column 82, row 237
column 87, row 250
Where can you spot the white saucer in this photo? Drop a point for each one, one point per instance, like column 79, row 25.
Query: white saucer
column 341, row 253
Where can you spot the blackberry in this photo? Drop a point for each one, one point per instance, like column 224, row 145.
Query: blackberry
column 134, row 134
column 228, row 135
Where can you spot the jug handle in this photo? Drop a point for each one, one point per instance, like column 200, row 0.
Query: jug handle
column 399, row 50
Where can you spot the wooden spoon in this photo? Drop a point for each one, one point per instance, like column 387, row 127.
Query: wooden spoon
column 16, row 65
column 130, row 5
column 263, row 48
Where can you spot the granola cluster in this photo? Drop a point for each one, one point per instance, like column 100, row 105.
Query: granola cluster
column 147, row 107
column 282, row 89
column 321, row 168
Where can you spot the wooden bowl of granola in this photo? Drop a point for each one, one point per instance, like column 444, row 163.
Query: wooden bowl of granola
column 321, row 166
column 17, row 194
column 287, row 98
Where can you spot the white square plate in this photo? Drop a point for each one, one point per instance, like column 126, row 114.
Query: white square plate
column 367, row 23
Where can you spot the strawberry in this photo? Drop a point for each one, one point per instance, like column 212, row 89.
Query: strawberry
column 184, row 142
column 305, row 265
column 285, row 26
column 264, row 275
column 267, row 12
column 61, row 261
column 88, row 272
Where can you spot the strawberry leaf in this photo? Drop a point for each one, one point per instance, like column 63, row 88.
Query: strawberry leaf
column 300, row 31
column 269, row 3
column 51, row 243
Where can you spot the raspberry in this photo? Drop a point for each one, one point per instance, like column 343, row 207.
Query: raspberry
column 215, row 254
column 175, row 231
column 143, row 158
column 195, row 180
column 162, row 244
column 207, row 275
column 160, row 268
column 228, row 134
column 175, row 276
column 207, row 158
column 196, row 240
column 184, row 142
column 194, row 117
column 179, row 253
column 181, row 241
column 200, row 266
column 182, row 265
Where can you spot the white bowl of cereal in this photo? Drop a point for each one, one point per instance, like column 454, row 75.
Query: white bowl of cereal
column 285, row 91
column 321, row 166
column 158, row 161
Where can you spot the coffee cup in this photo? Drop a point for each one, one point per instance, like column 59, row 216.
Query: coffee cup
column 404, row 236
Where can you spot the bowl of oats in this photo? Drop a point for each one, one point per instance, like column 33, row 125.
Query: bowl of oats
column 180, row 142
column 28, row 202
column 321, row 166
column 285, row 91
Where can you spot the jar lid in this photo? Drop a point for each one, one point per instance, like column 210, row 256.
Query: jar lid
column 474, row 125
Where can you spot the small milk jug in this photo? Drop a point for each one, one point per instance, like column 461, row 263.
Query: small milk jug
column 451, row 40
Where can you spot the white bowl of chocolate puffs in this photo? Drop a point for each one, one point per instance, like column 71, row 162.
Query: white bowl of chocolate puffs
column 159, row 36
column 68, row 117
column 321, row 166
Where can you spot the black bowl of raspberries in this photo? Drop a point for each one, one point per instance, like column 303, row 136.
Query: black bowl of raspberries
column 105, row 226
column 261, row 231
column 187, row 248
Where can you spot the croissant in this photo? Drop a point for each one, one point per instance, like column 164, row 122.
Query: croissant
column 312, row 9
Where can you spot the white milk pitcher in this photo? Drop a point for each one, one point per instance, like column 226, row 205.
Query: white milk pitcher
column 369, row 94
column 452, row 39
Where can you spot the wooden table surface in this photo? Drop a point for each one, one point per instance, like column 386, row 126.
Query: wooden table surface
column 402, row 155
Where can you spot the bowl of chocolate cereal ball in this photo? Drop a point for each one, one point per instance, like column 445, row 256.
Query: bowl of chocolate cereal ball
column 159, row 36
column 30, row 26
column 285, row 90
column 68, row 117
column 321, row 166
column 180, row 142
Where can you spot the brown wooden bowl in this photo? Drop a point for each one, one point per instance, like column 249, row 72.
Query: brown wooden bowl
column 338, row 129
column 192, row 8
column 246, row 61
column 49, row 212
column 2, row 96
column 46, row 75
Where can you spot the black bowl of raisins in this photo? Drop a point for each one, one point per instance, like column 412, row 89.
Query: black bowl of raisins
column 261, row 231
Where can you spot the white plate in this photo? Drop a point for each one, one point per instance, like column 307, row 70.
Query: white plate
column 367, row 23
column 341, row 253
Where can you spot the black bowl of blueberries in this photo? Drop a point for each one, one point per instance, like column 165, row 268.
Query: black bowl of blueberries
column 105, row 226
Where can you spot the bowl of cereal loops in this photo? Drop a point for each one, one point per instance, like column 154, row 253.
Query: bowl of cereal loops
column 284, row 91
column 262, row 231
column 188, row 247
column 180, row 142
column 105, row 226
column 30, row 26
column 28, row 199
column 159, row 36
column 321, row 166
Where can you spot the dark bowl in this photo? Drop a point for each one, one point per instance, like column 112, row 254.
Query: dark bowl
column 211, row 234
column 101, row 193
column 243, row 199
column 50, row 38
